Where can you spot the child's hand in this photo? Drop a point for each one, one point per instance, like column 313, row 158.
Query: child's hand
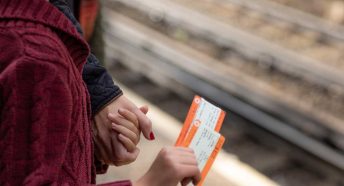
column 109, row 149
column 171, row 166
column 127, row 126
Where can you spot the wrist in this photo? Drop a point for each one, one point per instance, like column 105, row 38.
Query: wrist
column 108, row 102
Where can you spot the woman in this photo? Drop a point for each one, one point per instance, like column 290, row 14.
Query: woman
column 45, row 131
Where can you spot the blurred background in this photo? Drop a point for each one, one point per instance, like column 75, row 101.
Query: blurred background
column 275, row 66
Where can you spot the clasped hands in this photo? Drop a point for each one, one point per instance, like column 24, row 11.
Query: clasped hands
column 116, row 131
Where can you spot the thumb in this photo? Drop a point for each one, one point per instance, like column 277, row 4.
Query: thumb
column 144, row 109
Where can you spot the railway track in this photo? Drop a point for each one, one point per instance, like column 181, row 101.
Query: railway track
column 291, row 99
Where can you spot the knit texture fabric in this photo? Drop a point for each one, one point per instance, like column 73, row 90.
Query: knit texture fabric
column 45, row 135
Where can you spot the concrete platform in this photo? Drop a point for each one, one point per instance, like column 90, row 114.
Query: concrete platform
column 227, row 170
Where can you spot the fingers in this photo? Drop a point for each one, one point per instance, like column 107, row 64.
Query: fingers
column 190, row 171
column 185, row 155
column 171, row 166
column 145, row 123
column 189, row 166
column 129, row 116
column 125, row 114
column 184, row 149
column 128, row 143
column 188, row 160
column 122, row 155
column 133, row 136
column 127, row 126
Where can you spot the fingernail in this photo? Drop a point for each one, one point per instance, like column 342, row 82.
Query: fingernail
column 151, row 136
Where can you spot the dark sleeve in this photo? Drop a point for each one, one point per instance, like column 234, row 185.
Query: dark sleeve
column 99, row 82
column 38, row 115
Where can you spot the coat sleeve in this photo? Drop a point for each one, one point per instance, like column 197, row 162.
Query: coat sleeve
column 99, row 82
column 35, row 123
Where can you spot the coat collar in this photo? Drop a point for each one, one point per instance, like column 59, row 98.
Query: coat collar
column 42, row 12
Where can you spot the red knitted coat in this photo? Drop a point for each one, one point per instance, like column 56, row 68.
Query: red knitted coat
column 45, row 135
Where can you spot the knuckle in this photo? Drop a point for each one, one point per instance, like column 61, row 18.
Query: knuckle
column 135, row 157
column 164, row 151
column 130, row 159
column 137, row 132
column 136, row 122
column 195, row 162
column 171, row 163
column 191, row 150
column 137, row 140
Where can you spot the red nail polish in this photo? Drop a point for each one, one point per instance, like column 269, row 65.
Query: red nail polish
column 151, row 136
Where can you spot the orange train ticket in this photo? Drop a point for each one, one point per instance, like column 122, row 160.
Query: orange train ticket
column 201, row 133
column 204, row 113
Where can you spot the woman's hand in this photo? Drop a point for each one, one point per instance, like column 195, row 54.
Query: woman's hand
column 171, row 166
column 110, row 148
